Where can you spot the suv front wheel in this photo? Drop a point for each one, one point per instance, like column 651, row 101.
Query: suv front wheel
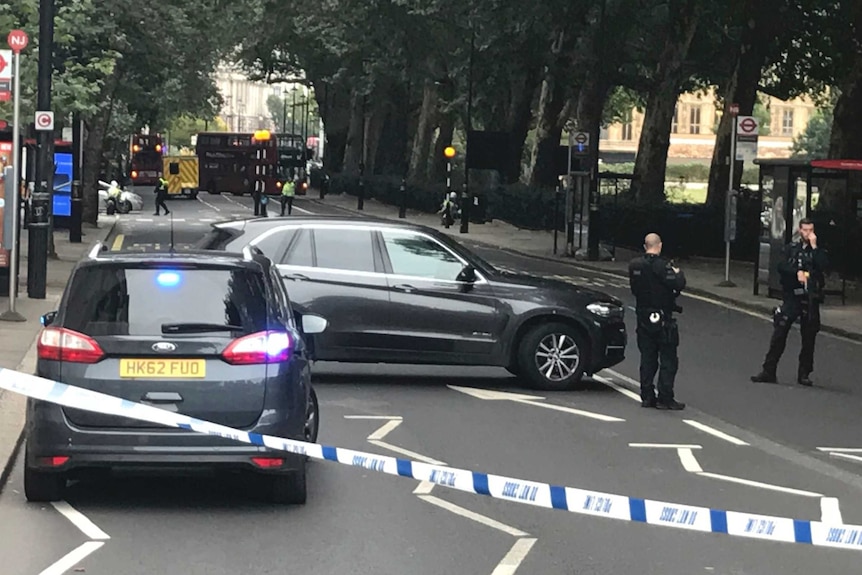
column 551, row 356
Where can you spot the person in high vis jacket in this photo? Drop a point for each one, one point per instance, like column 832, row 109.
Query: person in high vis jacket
column 288, row 191
column 161, row 195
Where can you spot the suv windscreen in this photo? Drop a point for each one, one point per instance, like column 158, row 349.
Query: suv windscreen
column 113, row 299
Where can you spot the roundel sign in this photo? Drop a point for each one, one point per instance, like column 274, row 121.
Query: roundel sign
column 581, row 138
column 747, row 126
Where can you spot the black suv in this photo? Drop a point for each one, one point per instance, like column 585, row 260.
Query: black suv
column 394, row 292
column 211, row 336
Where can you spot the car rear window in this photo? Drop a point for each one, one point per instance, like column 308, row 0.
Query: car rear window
column 110, row 300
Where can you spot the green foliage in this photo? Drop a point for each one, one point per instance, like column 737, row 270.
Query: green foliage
column 814, row 141
column 182, row 128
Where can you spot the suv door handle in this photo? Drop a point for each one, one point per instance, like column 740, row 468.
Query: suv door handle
column 296, row 277
column 404, row 287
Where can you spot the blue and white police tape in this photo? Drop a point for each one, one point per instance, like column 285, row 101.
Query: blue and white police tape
column 582, row 501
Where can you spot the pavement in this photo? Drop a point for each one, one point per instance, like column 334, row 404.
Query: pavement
column 773, row 449
column 703, row 274
column 17, row 339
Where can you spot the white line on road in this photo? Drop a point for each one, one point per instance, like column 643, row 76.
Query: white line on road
column 666, row 445
column 372, row 417
column 846, row 456
column 571, row 410
column 689, row 461
column 424, row 488
column 402, row 451
column 842, row 449
column 487, row 521
column 830, row 511
column 385, row 430
column 491, row 395
column 72, row 558
column 79, row 520
column 712, row 431
column 209, row 205
column 615, row 386
column 231, row 200
column 513, row 559
column 143, row 219
column 761, row 485
column 625, row 378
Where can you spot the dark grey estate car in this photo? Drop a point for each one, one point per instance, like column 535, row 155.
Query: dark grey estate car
column 208, row 335
column 402, row 293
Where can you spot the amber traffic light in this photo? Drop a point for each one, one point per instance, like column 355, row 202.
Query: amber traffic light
column 449, row 152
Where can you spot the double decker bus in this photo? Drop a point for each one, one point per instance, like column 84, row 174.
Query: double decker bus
column 145, row 154
column 292, row 158
column 238, row 163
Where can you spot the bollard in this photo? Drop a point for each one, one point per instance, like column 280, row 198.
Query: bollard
column 402, row 210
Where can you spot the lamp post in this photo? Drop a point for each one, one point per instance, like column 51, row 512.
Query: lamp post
column 465, row 195
column 449, row 152
column 283, row 109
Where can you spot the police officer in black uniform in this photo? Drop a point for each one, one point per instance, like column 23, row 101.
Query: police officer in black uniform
column 803, row 277
column 656, row 283
column 161, row 196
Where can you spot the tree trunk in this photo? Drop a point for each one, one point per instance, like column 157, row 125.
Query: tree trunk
column 93, row 148
column 445, row 131
column 334, row 104
column 424, row 132
column 549, row 129
column 355, row 134
column 392, row 151
column 760, row 30
column 377, row 117
column 651, row 161
column 518, row 118
column 845, row 142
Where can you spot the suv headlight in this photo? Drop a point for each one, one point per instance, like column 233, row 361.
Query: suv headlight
column 603, row 309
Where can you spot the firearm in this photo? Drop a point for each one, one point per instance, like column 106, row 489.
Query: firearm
column 676, row 293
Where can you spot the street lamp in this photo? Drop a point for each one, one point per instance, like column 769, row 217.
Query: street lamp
column 465, row 195
column 449, row 152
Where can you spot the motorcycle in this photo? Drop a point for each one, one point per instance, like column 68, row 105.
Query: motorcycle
column 116, row 202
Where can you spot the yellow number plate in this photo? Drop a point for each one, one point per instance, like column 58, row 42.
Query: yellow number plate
column 163, row 368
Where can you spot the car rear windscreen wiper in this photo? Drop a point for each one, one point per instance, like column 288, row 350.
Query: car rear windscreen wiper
column 199, row 327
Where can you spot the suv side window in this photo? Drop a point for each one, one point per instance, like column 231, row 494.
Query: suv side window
column 273, row 245
column 344, row 249
column 416, row 255
column 300, row 252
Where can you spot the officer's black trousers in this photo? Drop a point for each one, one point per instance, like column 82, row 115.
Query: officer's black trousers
column 287, row 201
column 808, row 315
column 658, row 346
column 160, row 204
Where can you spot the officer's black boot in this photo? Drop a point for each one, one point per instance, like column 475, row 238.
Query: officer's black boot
column 764, row 377
column 672, row 405
column 804, row 379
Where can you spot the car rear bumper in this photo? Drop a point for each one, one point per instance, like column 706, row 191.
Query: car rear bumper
column 50, row 434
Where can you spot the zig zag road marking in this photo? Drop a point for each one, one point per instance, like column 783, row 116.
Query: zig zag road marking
column 519, row 551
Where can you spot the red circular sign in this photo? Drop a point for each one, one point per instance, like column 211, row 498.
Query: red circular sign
column 3, row 124
column 43, row 120
column 748, row 125
column 581, row 138
column 17, row 40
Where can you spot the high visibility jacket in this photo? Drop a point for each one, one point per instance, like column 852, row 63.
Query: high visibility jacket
column 289, row 189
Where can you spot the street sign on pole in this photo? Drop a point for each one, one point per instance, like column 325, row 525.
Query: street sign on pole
column 734, row 110
column 581, row 143
column 746, row 138
column 18, row 41
column 45, row 121
column 5, row 64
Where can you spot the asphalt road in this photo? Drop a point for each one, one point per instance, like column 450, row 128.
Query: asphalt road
column 357, row 521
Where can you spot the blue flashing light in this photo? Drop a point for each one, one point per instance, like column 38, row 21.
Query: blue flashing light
column 168, row 279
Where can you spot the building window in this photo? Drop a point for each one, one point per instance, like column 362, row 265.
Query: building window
column 674, row 128
column 628, row 129
column 787, row 122
column 694, row 120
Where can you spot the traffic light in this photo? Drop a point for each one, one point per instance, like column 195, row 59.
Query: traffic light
column 262, row 135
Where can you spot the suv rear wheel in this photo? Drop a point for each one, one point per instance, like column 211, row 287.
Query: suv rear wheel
column 312, row 419
column 290, row 488
column 43, row 486
column 551, row 356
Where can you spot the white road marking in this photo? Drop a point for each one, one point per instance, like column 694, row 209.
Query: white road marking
column 830, row 511
column 144, row 219
column 666, row 445
column 424, row 488
column 846, row 456
column 689, row 461
column 298, row 209
column 209, row 205
column 625, row 378
column 178, row 219
column 385, row 430
column 207, row 220
column 407, row 452
column 491, row 395
column 761, row 485
column 72, row 558
column 712, row 431
column 466, row 513
column 513, row 559
column 78, row 519
column 372, row 417
column 615, row 386
column 842, row 449
column 231, row 200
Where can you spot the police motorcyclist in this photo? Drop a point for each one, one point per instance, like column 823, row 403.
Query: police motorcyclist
column 803, row 275
column 288, row 191
column 161, row 195
column 448, row 209
column 656, row 283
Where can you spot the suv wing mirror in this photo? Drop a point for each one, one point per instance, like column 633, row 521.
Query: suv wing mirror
column 312, row 324
column 48, row 318
column 467, row 275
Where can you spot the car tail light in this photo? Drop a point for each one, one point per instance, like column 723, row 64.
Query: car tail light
column 60, row 344
column 261, row 347
column 55, row 461
column 267, row 462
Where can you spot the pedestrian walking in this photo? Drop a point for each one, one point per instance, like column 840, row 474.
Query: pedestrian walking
column 803, row 276
column 288, row 191
column 656, row 283
column 161, row 196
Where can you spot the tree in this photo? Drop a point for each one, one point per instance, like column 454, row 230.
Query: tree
column 182, row 128
column 814, row 141
column 277, row 107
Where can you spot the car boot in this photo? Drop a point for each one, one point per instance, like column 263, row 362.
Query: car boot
column 764, row 377
column 671, row 405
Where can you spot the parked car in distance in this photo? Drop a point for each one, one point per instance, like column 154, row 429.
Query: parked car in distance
column 401, row 293
column 208, row 335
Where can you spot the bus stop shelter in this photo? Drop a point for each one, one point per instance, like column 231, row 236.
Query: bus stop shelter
column 829, row 192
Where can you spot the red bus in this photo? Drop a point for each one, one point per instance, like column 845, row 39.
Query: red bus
column 145, row 153
column 237, row 163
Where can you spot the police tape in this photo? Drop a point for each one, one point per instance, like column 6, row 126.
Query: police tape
column 581, row 501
